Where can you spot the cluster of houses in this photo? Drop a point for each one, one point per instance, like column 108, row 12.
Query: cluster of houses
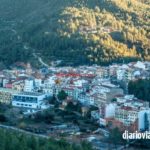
column 124, row 112
column 94, row 29
column 29, row 88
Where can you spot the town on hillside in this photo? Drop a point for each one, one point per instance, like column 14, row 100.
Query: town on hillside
column 76, row 103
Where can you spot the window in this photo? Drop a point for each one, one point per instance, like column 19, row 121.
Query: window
column 15, row 97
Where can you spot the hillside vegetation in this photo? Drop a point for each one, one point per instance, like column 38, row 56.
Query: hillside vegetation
column 14, row 140
column 76, row 31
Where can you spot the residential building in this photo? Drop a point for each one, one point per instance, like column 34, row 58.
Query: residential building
column 29, row 100
column 106, row 92
column 144, row 120
column 125, row 114
column 86, row 99
column 6, row 95
column 29, row 85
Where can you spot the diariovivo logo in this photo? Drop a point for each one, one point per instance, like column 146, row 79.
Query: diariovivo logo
column 136, row 135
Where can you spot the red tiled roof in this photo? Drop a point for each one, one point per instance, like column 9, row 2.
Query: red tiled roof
column 74, row 75
column 126, row 108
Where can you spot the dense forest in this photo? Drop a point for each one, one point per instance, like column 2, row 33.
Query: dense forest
column 17, row 141
column 140, row 88
column 74, row 31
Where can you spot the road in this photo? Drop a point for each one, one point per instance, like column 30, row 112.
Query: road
column 40, row 60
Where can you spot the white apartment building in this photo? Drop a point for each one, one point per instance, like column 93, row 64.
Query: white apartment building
column 128, row 108
column 86, row 99
column 73, row 91
column 125, row 114
column 125, row 74
column 38, row 82
column 49, row 86
column 29, row 100
column 29, row 85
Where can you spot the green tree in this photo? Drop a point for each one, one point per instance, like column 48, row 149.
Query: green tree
column 62, row 95
column 115, row 136
column 140, row 88
column 17, row 141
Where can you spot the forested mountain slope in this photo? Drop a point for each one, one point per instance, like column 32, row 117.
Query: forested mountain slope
column 74, row 31
column 11, row 140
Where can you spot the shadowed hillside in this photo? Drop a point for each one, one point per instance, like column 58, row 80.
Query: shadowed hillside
column 74, row 31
